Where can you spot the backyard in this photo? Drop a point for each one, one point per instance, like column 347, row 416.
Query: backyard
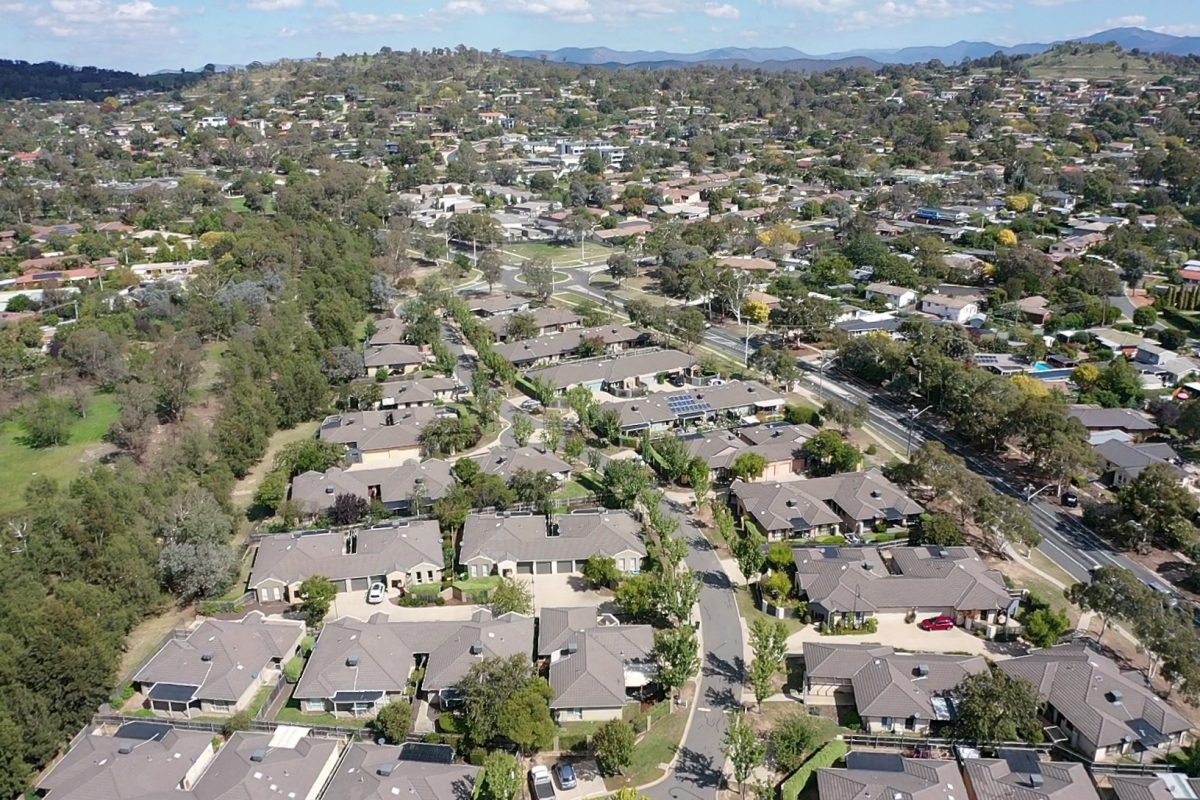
column 20, row 464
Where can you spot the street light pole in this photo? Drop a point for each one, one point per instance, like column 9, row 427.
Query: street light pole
column 911, row 421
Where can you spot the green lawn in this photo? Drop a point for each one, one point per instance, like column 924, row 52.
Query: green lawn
column 750, row 612
column 558, row 253
column 572, row 489
column 655, row 748
column 292, row 714
column 20, row 464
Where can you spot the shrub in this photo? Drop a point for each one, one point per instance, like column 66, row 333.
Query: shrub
column 292, row 670
column 843, row 628
column 613, row 742
column 827, row 756
column 476, row 756
column 238, row 722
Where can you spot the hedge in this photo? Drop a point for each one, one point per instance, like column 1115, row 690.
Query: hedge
column 827, row 756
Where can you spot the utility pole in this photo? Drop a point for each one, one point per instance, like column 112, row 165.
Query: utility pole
column 911, row 422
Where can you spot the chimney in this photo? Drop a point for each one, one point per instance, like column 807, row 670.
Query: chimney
column 875, row 493
column 790, row 503
column 390, row 419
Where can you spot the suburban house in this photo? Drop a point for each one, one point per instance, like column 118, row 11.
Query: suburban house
column 547, row 320
column 397, row 554
column 855, row 583
column 1104, row 712
column 523, row 544
column 593, row 666
column 395, row 358
column 1121, row 462
column 388, row 331
column 951, row 308
column 782, row 445
column 893, row 296
column 149, row 759
column 619, row 375
column 885, row 776
column 553, row 347
column 745, row 400
column 219, row 666
column 1018, row 772
column 378, row 437
column 1163, row 786
column 847, row 503
column 496, row 304
column 418, row 392
column 900, row 693
column 371, row 771
column 1096, row 420
column 398, row 488
column 506, row 462
column 358, row 667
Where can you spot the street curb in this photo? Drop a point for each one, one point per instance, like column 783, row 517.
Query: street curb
column 687, row 726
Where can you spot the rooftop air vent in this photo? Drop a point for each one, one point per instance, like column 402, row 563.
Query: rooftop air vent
column 791, row 503
column 1036, row 780
column 1114, row 696
column 125, row 749
column 572, row 647
column 922, row 670
column 330, row 489
column 867, row 565
column 259, row 755
column 875, row 493
column 386, row 769
column 351, row 661
column 477, row 649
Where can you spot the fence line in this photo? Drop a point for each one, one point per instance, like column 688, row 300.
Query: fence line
column 212, row 726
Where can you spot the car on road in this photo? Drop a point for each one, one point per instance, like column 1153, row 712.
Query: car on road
column 541, row 786
column 1070, row 499
column 942, row 622
column 377, row 593
column 566, row 775
column 531, row 406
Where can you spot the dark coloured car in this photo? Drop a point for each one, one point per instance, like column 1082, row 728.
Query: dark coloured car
column 566, row 775
column 1070, row 499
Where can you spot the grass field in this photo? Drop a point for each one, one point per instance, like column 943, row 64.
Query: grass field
column 1104, row 63
column 655, row 748
column 750, row 612
column 558, row 253
column 292, row 714
column 19, row 464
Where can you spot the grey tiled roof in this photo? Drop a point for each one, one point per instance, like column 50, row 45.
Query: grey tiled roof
column 1019, row 775
column 282, row 771
column 524, row 351
column 859, row 496
column 1094, row 418
column 594, row 675
column 556, row 626
column 507, row 635
column 370, row 430
column 291, row 558
column 782, row 506
column 359, row 777
column 94, row 769
column 505, row 461
column 845, row 579
column 887, row 683
column 616, row 369
column 887, row 776
column 527, row 538
column 728, row 397
column 389, row 354
column 544, row 317
column 239, row 650
column 1154, row 787
column 317, row 491
column 1080, row 683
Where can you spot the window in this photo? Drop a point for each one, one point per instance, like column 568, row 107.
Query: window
column 474, row 570
column 888, row 722
column 418, row 577
column 314, row 705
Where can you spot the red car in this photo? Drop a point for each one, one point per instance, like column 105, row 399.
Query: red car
column 938, row 623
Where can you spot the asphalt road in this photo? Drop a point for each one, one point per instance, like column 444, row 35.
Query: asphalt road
column 699, row 771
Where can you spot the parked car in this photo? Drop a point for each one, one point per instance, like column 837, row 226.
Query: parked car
column 1070, row 499
column 541, row 786
column 566, row 774
column 941, row 622
column 377, row 593
column 531, row 406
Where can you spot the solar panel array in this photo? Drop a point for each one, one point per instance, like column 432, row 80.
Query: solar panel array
column 687, row 404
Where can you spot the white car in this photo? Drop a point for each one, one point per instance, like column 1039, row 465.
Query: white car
column 376, row 593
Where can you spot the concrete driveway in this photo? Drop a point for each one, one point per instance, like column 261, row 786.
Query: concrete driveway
column 551, row 591
column 354, row 604
column 588, row 782
column 894, row 631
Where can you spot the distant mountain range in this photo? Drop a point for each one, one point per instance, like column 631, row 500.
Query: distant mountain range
column 779, row 58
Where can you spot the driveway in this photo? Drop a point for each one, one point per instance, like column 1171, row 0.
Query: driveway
column 588, row 782
column 894, row 631
column 559, row 591
column 354, row 604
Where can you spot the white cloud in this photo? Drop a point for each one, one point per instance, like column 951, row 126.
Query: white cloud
column 274, row 5
column 722, row 11
column 821, row 6
column 1187, row 29
column 356, row 22
column 465, row 8
column 104, row 20
column 893, row 13
column 1130, row 21
column 1052, row 2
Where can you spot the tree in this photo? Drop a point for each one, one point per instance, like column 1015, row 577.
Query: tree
column 601, row 571
column 46, row 422
column 637, row 598
column 846, row 415
column 525, row 718
column 553, row 430
column 756, row 311
column 778, row 363
column 522, row 429
column 995, row 707
column 1156, row 509
column 676, row 652
column 348, row 509
column 393, row 721
column 768, row 641
column 743, row 748
column 936, row 529
column 1113, row 593
column 748, row 466
column 197, row 569
column 828, row 453
column 521, row 325
column 534, row 487
column 688, row 326
column 1005, row 520
column 624, row 482
column 500, row 778
column 677, row 594
column 538, row 275
column 174, row 368
column 512, row 595
column 621, row 266
column 1044, row 627
column 316, row 596
column 699, row 477
column 748, row 550
column 133, row 429
column 613, row 743
column 490, row 269
column 450, row 435
column 671, row 457
column 485, row 688
column 790, row 740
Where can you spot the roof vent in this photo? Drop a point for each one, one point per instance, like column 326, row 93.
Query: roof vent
column 633, row 407
column 875, row 493
column 922, row 670
column 1036, row 780
column 477, row 649
column 206, row 656
column 1114, row 696
column 868, row 566
column 943, row 553
column 572, row 647
column 790, row 503
column 330, row 489
column 259, row 755
column 386, row 769
column 351, row 661
column 125, row 749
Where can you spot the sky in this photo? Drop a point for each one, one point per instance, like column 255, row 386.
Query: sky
column 149, row 35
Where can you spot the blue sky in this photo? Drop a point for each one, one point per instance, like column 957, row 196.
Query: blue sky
column 147, row 35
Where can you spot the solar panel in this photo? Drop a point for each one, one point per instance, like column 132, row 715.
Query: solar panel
column 143, row 730
column 427, row 753
column 173, row 692
column 356, row 697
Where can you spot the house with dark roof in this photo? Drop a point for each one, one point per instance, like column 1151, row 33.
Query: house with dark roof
column 1104, row 711
column 748, row 401
column 507, row 461
column 850, row 502
column 627, row 372
column 547, row 320
column 870, row 775
column 855, row 583
column 1163, row 786
column 782, row 446
column 395, row 358
column 556, row 346
column 596, row 667
column 401, row 489
column 418, row 392
column 1121, row 462
column 902, row 693
column 377, row 437
column 397, row 554
column 496, row 304
column 524, row 544
column 358, row 667
column 1101, row 420
column 1020, row 773
column 382, row 772
column 219, row 666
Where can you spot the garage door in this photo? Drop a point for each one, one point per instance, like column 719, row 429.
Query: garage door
column 579, row 565
column 524, row 567
column 360, row 584
column 565, row 567
column 545, row 567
